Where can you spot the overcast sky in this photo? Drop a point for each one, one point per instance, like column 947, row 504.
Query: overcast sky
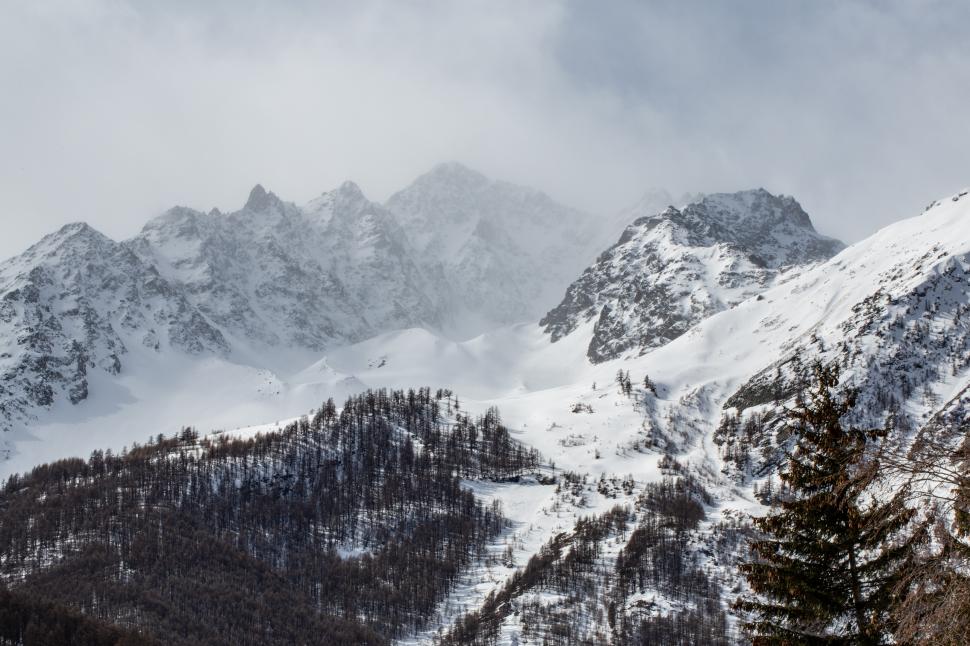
column 112, row 111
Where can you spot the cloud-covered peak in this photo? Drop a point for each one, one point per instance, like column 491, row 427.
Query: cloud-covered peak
column 261, row 200
column 350, row 189
column 453, row 175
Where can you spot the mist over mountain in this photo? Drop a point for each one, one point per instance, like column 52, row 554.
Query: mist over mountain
column 273, row 284
column 504, row 252
column 275, row 275
column 544, row 323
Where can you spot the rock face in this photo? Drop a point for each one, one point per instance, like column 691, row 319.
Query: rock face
column 670, row 270
column 500, row 253
column 273, row 274
column 75, row 302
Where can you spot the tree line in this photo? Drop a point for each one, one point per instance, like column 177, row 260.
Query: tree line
column 348, row 525
column 570, row 594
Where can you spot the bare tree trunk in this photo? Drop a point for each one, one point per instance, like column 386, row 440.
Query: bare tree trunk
column 857, row 596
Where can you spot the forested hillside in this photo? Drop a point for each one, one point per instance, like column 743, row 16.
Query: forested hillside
column 29, row 619
column 637, row 574
column 347, row 526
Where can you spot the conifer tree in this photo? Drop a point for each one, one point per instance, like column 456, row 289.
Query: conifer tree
column 832, row 555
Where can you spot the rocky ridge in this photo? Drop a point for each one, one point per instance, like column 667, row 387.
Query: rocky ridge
column 673, row 269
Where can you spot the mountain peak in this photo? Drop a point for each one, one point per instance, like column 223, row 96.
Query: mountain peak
column 76, row 231
column 350, row 189
column 177, row 218
column 454, row 174
column 261, row 200
column 73, row 243
column 348, row 200
column 754, row 205
column 77, row 228
column 671, row 269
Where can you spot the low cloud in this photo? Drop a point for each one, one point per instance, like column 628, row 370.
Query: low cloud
column 114, row 111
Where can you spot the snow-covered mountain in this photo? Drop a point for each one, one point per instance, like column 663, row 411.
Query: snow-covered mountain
column 890, row 311
column 455, row 251
column 503, row 253
column 673, row 269
column 273, row 284
column 77, row 301
column 757, row 300
column 275, row 275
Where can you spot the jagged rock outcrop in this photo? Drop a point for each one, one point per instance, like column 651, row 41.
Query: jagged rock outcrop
column 273, row 274
column 75, row 302
column 670, row 270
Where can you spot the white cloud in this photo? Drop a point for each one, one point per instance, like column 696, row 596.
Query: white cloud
column 114, row 111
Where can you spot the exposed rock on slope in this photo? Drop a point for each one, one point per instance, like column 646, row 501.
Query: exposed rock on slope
column 74, row 302
column 673, row 269
column 893, row 313
column 277, row 275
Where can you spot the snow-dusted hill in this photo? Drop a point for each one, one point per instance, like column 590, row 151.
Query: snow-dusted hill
column 672, row 269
